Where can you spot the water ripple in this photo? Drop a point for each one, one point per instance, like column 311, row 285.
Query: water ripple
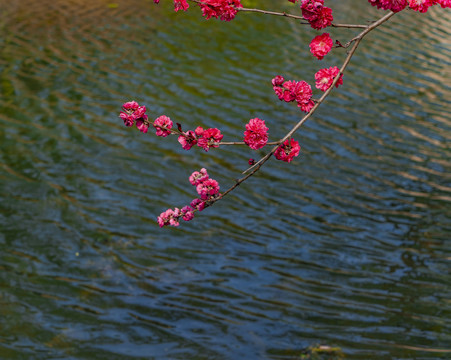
column 347, row 246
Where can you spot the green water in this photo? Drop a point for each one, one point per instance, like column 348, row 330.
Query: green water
column 347, row 246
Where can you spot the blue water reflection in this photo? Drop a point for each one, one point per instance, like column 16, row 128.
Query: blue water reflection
column 347, row 246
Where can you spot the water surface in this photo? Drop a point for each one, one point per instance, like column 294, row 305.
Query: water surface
column 347, row 246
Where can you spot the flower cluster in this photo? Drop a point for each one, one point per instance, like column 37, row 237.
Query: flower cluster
column 133, row 113
column 444, row 3
column 417, row 5
column 321, row 45
column 288, row 150
column 299, row 91
column 207, row 188
column 224, row 9
column 208, row 138
column 256, row 134
column 325, row 77
column 178, row 4
column 171, row 217
column 393, row 5
column 204, row 138
column 318, row 15
column 163, row 125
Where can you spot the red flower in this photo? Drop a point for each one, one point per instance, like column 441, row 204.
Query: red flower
column 310, row 9
column 210, row 138
column 321, row 45
column 325, row 77
column 133, row 112
column 318, row 15
column 421, row 5
column 224, row 9
column 444, row 3
column 188, row 139
column 323, row 20
column 394, row 5
column 288, row 150
column 256, row 134
column 143, row 124
column 180, row 5
column 294, row 90
column 277, row 81
column 163, row 125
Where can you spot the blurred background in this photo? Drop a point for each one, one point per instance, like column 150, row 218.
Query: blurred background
column 347, row 246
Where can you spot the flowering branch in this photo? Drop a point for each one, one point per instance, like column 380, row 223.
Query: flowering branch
column 256, row 134
column 357, row 40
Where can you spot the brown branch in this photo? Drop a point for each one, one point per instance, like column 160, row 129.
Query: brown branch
column 243, row 143
column 297, row 17
column 287, row 15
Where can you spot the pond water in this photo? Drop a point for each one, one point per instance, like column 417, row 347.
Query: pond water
column 347, row 246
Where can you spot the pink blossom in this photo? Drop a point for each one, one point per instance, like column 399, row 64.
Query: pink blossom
column 139, row 112
column 300, row 91
column 323, row 20
column 156, row 1
column 163, row 125
column 133, row 112
column 256, row 134
column 394, row 5
column 288, row 95
column 289, row 90
column 143, row 124
column 278, row 80
column 188, row 139
column 421, row 5
column 210, row 138
column 306, row 106
column 187, row 213
column 199, row 131
column 207, row 189
column 279, row 92
column 198, row 204
column 303, row 93
column 318, row 15
column 169, row 217
column 288, row 150
column 130, row 105
column 321, row 45
column 198, row 177
column 180, row 5
column 129, row 120
column 444, row 3
column 224, row 9
column 311, row 8
column 325, row 77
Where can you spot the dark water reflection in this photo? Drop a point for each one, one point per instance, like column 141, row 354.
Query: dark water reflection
column 348, row 246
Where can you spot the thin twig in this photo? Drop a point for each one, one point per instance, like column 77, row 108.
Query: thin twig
column 243, row 143
column 284, row 14
column 297, row 17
